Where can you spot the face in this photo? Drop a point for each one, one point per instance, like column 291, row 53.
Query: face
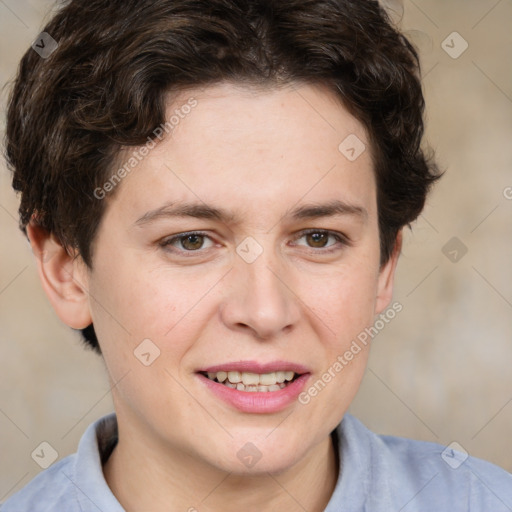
column 252, row 280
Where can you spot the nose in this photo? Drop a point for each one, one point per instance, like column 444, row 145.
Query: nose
column 261, row 299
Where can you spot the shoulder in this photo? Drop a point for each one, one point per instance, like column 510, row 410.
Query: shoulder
column 420, row 475
column 52, row 489
column 75, row 483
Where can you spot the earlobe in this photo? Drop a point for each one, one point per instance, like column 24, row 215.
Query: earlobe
column 63, row 277
column 387, row 277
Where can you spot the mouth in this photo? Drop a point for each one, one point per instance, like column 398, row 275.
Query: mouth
column 254, row 387
column 253, row 382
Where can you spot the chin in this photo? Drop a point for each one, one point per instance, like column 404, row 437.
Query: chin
column 256, row 458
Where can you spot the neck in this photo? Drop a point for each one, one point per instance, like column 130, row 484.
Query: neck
column 145, row 479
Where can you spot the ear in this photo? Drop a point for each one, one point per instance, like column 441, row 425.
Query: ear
column 63, row 276
column 387, row 277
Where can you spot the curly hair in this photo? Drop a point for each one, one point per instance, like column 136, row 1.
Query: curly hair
column 105, row 87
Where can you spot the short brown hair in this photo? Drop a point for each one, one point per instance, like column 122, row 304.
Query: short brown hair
column 104, row 87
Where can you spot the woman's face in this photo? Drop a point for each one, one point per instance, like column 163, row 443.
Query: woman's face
column 281, row 275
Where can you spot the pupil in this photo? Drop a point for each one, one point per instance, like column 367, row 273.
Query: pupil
column 196, row 245
column 317, row 237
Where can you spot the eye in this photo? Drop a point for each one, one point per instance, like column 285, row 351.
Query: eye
column 189, row 242
column 318, row 238
column 192, row 243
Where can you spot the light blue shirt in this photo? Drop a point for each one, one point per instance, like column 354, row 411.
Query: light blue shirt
column 378, row 474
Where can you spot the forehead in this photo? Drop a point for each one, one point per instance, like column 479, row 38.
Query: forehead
column 254, row 115
column 253, row 151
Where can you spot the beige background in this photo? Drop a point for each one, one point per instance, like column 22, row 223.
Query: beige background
column 440, row 371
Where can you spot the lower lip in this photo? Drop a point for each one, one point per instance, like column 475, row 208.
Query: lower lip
column 257, row 401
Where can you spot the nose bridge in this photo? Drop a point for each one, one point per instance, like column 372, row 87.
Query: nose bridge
column 265, row 276
column 261, row 298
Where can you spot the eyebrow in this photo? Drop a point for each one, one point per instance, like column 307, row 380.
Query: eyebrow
column 204, row 211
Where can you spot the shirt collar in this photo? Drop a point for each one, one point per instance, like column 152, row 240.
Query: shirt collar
column 91, row 488
column 94, row 495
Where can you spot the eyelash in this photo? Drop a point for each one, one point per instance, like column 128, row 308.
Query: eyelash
column 342, row 240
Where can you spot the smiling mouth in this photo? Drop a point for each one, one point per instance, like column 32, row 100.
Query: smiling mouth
column 253, row 382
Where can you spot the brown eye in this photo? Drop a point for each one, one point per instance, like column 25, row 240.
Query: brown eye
column 192, row 242
column 184, row 243
column 317, row 239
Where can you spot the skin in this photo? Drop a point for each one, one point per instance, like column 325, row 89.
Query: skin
column 257, row 154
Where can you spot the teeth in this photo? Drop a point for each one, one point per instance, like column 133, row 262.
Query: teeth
column 267, row 379
column 250, row 378
column 251, row 389
column 234, row 377
column 280, row 377
column 248, row 381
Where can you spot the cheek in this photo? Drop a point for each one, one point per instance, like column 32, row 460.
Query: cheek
column 343, row 300
column 133, row 303
column 141, row 309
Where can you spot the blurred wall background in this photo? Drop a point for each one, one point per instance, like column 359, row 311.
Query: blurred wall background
column 440, row 371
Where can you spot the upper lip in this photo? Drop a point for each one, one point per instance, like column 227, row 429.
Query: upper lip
column 256, row 367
